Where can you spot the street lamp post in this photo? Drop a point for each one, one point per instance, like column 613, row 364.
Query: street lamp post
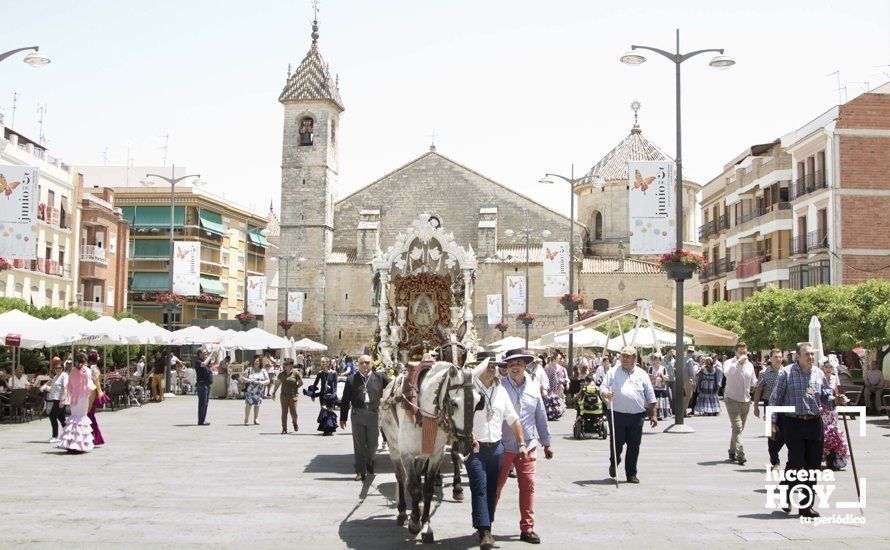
column 527, row 232
column 634, row 57
column 287, row 260
column 172, row 180
column 35, row 59
column 573, row 182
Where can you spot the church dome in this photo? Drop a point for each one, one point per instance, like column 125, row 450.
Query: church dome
column 613, row 166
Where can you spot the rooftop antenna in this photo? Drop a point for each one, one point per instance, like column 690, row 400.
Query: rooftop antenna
column 15, row 96
column 41, row 110
column 840, row 89
column 865, row 82
column 165, row 146
column 433, row 140
column 129, row 160
column 105, row 157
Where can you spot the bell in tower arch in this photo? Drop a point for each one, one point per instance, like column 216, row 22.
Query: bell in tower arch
column 307, row 126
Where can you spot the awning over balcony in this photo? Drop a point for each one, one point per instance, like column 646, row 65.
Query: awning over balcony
column 257, row 238
column 129, row 213
column 212, row 222
column 158, row 217
column 212, row 285
column 151, row 248
column 145, row 282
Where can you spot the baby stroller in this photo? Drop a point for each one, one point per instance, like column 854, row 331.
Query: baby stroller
column 590, row 414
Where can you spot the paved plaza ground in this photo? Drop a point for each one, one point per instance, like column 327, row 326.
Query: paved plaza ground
column 163, row 482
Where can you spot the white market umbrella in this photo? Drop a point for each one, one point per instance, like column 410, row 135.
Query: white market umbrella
column 195, row 335
column 584, row 338
column 533, row 344
column 816, row 339
column 74, row 329
column 256, row 339
column 644, row 339
column 308, row 345
column 32, row 332
column 508, row 343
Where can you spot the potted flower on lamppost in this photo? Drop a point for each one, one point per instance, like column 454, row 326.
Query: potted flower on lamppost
column 681, row 264
column 245, row 318
column 526, row 318
column 285, row 326
column 571, row 302
column 4, row 264
column 169, row 301
column 502, row 326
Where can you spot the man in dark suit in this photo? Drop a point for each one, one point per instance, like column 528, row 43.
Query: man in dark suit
column 362, row 394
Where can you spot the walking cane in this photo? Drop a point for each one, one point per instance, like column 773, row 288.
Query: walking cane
column 612, row 437
column 852, row 460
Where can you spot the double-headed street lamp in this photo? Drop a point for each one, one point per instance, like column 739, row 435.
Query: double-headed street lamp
column 635, row 57
column 573, row 183
column 173, row 180
column 527, row 231
column 35, row 59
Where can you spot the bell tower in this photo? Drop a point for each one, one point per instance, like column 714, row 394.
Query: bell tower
column 309, row 169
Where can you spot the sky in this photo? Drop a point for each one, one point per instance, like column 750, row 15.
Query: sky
column 512, row 89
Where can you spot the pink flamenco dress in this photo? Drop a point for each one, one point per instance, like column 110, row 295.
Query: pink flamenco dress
column 77, row 437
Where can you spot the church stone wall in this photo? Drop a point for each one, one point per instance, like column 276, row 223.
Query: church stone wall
column 455, row 194
column 350, row 316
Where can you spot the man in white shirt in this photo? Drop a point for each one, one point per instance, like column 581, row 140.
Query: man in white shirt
column 740, row 379
column 493, row 412
column 535, row 371
column 630, row 395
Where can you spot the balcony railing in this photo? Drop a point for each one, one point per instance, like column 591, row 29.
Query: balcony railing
column 92, row 253
column 43, row 265
column 817, row 240
column 748, row 216
column 48, row 214
column 722, row 223
column 799, row 244
column 748, row 268
column 808, row 184
column 717, row 267
column 97, row 307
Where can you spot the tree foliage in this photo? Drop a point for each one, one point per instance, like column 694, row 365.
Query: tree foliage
column 850, row 316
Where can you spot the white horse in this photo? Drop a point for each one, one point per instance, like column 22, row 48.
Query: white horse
column 446, row 394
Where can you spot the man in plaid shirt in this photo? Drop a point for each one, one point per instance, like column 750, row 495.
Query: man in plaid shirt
column 806, row 389
column 765, row 385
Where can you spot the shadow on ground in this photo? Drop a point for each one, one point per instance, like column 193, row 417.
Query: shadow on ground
column 382, row 532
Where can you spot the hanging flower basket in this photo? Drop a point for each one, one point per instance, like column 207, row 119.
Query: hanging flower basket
column 4, row 264
column 680, row 265
column 526, row 318
column 502, row 327
column 285, row 326
column 245, row 318
column 572, row 302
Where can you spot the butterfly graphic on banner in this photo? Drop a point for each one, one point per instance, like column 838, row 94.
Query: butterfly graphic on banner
column 514, row 283
column 642, row 183
column 551, row 255
column 6, row 187
column 292, row 298
column 492, row 301
column 254, row 284
column 182, row 253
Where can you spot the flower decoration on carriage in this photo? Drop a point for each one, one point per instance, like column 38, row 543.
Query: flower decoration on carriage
column 167, row 299
column 571, row 300
column 683, row 257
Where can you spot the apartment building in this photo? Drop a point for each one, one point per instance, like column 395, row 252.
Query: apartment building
column 841, row 193
column 48, row 280
column 104, row 234
column 810, row 208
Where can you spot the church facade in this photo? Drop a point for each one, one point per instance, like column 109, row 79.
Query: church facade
column 436, row 223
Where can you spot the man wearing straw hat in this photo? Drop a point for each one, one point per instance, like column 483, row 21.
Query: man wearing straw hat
column 630, row 395
column 493, row 412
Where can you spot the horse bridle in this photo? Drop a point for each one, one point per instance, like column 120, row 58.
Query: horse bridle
column 466, row 386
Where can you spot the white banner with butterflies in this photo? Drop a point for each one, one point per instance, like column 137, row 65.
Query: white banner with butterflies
column 495, row 308
column 652, row 196
column 515, row 294
column 294, row 306
column 256, row 294
column 556, row 269
column 186, row 268
column 18, row 212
